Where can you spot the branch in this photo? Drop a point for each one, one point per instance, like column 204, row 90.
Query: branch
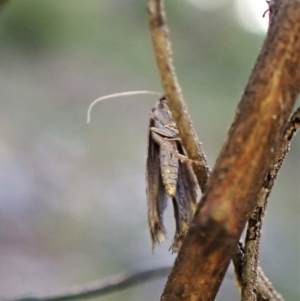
column 256, row 219
column 163, row 54
column 265, row 290
column 245, row 156
column 105, row 286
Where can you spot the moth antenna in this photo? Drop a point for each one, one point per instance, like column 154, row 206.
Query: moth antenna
column 115, row 95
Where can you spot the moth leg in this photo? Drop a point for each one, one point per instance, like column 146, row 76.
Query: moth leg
column 165, row 133
column 172, row 139
column 165, row 123
column 162, row 142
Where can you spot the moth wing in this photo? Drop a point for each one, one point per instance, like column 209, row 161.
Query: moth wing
column 185, row 200
column 156, row 195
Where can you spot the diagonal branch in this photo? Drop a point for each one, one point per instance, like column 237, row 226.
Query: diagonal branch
column 251, row 271
column 245, row 157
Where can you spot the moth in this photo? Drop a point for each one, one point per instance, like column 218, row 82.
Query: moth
column 169, row 175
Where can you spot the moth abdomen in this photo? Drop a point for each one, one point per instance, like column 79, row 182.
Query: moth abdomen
column 169, row 164
column 169, row 175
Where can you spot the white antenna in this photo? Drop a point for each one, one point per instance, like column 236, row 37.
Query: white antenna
column 130, row 93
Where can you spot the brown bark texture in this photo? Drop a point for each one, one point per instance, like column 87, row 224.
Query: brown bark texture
column 264, row 290
column 250, row 270
column 244, row 160
column 254, row 284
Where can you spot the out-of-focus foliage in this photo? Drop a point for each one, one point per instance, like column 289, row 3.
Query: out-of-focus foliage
column 72, row 196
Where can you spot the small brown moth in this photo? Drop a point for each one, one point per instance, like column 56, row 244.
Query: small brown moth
column 168, row 175
column 168, row 172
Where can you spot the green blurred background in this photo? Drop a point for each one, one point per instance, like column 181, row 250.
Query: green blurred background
column 72, row 195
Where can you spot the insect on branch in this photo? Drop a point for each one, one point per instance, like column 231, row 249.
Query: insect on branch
column 245, row 157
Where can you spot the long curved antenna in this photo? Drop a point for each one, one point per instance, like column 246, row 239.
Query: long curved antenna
column 130, row 93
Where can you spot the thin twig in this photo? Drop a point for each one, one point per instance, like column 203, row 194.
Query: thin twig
column 290, row 131
column 245, row 157
column 163, row 54
column 121, row 281
column 265, row 290
column 256, row 219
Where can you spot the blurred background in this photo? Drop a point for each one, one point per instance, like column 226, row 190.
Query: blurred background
column 72, row 195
